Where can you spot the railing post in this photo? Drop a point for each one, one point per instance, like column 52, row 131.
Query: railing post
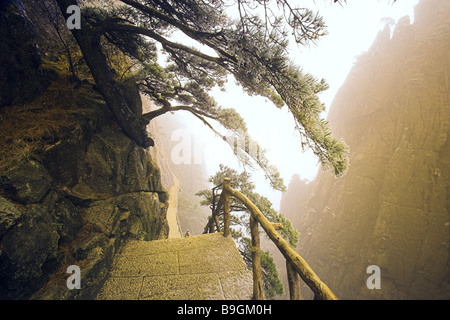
column 226, row 207
column 258, row 292
column 319, row 288
column 296, row 266
column 293, row 281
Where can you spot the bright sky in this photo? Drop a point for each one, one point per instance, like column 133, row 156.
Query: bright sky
column 351, row 30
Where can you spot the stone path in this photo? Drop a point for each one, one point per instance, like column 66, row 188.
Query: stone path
column 198, row 267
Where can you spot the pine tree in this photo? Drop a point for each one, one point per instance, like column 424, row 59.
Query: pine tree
column 252, row 46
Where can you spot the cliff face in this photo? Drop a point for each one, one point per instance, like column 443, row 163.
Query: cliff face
column 73, row 190
column 392, row 207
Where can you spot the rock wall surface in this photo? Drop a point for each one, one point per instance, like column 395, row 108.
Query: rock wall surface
column 392, row 207
column 75, row 198
column 21, row 75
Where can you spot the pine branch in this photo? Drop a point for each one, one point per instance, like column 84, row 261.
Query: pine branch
column 120, row 27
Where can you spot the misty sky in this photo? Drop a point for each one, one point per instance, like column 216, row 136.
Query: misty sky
column 351, row 30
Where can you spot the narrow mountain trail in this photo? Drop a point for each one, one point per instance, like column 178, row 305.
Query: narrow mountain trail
column 172, row 211
column 202, row 267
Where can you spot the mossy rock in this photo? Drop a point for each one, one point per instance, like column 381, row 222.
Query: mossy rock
column 28, row 181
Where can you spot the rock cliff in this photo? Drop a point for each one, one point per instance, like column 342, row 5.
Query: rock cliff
column 391, row 209
column 73, row 190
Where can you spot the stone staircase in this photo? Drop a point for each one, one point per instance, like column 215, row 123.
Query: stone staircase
column 206, row 267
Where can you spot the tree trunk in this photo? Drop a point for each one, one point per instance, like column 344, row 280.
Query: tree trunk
column 226, row 210
column 89, row 41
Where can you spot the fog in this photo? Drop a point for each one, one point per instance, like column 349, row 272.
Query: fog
column 351, row 30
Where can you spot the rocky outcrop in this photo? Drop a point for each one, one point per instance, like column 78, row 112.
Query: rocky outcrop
column 75, row 200
column 392, row 207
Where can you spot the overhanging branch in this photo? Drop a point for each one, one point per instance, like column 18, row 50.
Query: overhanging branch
column 121, row 27
column 201, row 36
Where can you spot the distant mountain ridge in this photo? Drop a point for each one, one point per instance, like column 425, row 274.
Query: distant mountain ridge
column 392, row 207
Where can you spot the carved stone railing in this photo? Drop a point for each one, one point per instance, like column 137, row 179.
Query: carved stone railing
column 296, row 266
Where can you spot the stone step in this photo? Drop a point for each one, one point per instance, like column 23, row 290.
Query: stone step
column 202, row 267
